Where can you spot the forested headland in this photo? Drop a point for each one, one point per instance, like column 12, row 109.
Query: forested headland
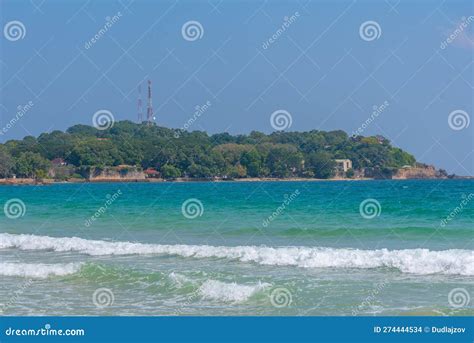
column 172, row 153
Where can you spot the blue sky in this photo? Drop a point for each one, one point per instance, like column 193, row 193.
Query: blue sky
column 319, row 69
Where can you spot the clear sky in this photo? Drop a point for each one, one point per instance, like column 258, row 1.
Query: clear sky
column 322, row 68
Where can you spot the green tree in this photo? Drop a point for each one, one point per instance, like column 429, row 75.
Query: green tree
column 284, row 160
column 170, row 172
column 232, row 152
column 237, row 171
column 27, row 144
column 252, row 161
column 400, row 158
column 350, row 173
column 56, row 144
column 6, row 163
column 31, row 165
column 199, row 171
column 82, row 130
column 321, row 164
column 95, row 152
column 130, row 151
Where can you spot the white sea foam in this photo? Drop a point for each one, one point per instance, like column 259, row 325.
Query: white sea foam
column 230, row 292
column 38, row 270
column 179, row 280
column 417, row 261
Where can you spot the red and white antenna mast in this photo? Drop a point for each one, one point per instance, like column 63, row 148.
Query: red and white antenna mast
column 139, row 104
column 149, row 112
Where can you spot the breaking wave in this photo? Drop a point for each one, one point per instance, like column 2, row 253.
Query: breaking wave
column 230, row 292
column 38, row 270
column 416, row 261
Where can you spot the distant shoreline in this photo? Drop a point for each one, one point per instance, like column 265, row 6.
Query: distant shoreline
column 19, row 182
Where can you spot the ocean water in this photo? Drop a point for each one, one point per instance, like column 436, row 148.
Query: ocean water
column 256, row 248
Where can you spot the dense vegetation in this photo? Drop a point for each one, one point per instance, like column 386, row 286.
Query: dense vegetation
column 176, row 153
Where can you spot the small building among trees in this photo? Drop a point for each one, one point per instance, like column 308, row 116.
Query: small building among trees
column 343, row 165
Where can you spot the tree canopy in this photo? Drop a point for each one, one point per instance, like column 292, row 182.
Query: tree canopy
column 196, row 154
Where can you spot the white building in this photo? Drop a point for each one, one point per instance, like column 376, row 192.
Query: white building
column 343, row 165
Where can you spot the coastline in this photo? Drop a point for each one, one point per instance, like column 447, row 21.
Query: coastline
column 21, row 181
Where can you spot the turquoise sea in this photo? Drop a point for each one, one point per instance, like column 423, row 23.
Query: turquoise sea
column 238, row 248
